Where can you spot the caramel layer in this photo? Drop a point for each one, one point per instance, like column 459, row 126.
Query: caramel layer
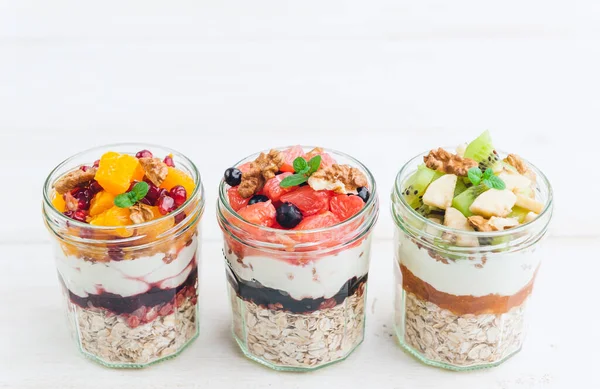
column 464, row 304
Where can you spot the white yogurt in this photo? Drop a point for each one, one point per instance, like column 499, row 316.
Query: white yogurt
column 128, row 277
column 501, row 274
column 323, row 277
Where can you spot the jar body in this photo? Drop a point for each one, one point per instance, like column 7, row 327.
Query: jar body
column 297, row 297
column 130, row 293
column 461, row 297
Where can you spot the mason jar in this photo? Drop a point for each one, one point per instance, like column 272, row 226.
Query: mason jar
column 461, row 296
column 130, row 292
column 298, row 297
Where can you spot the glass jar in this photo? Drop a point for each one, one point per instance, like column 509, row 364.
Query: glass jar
column 461, row 296
column 298, row 297
column 130, row 292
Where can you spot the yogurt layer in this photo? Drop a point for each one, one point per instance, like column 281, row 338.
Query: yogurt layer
column 500, row 274
column 128, row 277
column 322, row 278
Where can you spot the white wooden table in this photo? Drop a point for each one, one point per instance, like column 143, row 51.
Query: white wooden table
column 381, row 80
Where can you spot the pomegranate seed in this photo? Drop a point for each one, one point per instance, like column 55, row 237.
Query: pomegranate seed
column 71, row 203
column 154, row 193
column 144, row 154
column 94, row 187
column 84, row 168
column 133, row 321
column 180, row 217
column 179, row 194
column 169, row 161
column 165, row 204
column 83, row 197
column 132, row 185
column 77, row 215
column 116, row 254
column 97, row 163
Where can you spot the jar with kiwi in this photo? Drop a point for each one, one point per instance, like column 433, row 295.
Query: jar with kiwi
column 469, row 225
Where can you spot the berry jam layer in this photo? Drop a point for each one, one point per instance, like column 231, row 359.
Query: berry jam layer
column 124, row 305
column 464, row 304
column 271, row 298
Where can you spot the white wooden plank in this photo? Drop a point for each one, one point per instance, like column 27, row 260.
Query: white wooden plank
column 35, row 350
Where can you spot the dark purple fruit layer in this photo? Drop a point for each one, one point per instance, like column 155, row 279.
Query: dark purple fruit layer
column 119, row 304
column 271, row 298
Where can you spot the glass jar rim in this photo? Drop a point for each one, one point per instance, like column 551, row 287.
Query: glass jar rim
column 515, row 230
column 368, row 205
column 47, row 189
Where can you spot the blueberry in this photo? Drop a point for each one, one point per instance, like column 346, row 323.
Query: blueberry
column 233, row 176
column 288, row 215
column 258, row 199
column 363, row 193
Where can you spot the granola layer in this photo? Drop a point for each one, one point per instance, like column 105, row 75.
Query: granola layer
column 292, row 340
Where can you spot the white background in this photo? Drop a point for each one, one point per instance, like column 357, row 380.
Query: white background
column 380, row 80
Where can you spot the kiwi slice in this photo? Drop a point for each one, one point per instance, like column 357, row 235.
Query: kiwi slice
column 460, row 187
column 519, row 213
column 482, row 151
column 415, row 186
column 463, row 201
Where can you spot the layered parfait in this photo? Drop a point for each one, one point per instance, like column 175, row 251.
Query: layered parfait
column 126, row 233
column 297, row 225
column 469, row 224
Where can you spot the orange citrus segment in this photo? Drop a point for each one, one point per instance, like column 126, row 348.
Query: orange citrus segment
column 112, row 217
column 101, row 202
column 59, row 202
column 177, row 177
column 117, row 171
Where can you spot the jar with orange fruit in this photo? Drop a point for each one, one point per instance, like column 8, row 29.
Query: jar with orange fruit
column 124, row 223
column 297, row 228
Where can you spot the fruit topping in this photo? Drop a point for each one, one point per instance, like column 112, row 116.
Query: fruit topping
column 344, row 207
column 441, row 192
column 262, row 169
column 101, row 202
column 480, row 223
column 178, row 177
column 236, row 201
column 258, row 199
column 117, row 171
column 179, row 194
column 155, row 169
column 363, row 193
column 114, row 217
column 141, row 213
column 529, row 204
column 482, row 151
column 144, row 154
column 166, row 204
column 169, row 161
column 73, row 179
column 326, row 159
column 338, row 178
column 322, row 220
column 443, row 161
column 455, row 219
column 233, row 176
column 262, row 214
column 273, row 189
column 309, row 201
column 58, row 201
column 494, row 202
column 288, row 215
column 80, row 216
column 289, row 156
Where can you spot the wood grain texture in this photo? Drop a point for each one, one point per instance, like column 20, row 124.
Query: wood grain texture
column 35, row 349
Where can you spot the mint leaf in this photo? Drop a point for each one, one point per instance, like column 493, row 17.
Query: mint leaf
column 293, row 180
column 474, row 175
column 494, row 182
column 314, row 164
column 487, row 173
column 300, row 165
column 128, row 199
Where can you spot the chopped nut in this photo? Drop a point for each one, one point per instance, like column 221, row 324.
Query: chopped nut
column 515, row 161
column 141, row 213
column 73, row 179
column 443, row 161
column 338, row 178
column 155, row 169
column 479, row 223
column 262, row 169
column 71, row 203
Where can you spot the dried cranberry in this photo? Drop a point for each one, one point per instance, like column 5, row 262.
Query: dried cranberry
column 165, row 204
column 169, row 161
column 180, row 217
column 179, row 194
column 144, row 154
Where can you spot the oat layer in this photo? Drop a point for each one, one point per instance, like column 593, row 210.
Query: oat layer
column 462, row 341
column 292, row 341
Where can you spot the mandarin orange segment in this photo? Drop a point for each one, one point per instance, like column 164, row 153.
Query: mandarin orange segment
column 177, row 177
column 158, row 227
column 59, row 202
column 101, row 202
column 117, row 171
column 113, row 217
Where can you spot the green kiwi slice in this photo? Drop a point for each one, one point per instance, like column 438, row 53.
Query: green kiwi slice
column 519, row 213
column 460, row 187
column 463, row 201
column 415, row 186
column 482, row 151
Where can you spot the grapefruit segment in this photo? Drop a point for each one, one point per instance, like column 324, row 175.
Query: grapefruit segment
column 322, row 220
column 308, row 201
column 236, row 201
column 272, row 189
column 288, row 158
column 344, row 206
column 262, row 214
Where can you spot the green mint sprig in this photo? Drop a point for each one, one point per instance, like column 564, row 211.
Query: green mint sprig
column 487, row 178
column 303, row 170
column 128, row 199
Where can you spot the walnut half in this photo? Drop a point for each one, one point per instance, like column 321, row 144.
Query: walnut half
column 338, row 178
column 73, row 179
column 261, row 169
column 140, row 213
column 155, row 169
column 444, row 161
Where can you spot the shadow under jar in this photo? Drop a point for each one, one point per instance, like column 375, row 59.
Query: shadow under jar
column 461, row 296
column 298, row 297
column 131, row 292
